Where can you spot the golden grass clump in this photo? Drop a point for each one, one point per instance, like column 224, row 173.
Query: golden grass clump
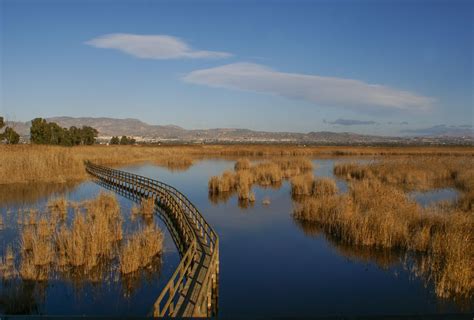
column 307, row 184
column 302, row 185
column 146, row 208
column 242, row 164
column 140, row 249
column 2, row 226
column 245, row 175
column 58, row 208
column 175, row 163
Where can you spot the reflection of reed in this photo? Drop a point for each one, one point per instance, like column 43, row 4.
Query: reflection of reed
column 30, row 193
column 384, row 258
column 20, row 297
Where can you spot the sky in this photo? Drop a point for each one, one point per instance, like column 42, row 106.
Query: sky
column 374, row 67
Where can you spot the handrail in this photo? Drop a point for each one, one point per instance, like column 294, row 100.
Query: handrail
column 197, row 234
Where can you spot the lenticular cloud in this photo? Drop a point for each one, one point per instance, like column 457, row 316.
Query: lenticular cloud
column 323, row 91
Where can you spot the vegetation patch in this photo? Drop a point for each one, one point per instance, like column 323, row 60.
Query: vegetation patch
column 245, row 175
column 88, row 247
column 377, row 213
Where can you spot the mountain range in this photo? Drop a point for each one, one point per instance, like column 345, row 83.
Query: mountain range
column 109, row 127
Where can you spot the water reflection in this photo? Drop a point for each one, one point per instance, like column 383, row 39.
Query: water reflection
column 271, row 265
column 384, row 258
column 30, row 193
column 428, row 198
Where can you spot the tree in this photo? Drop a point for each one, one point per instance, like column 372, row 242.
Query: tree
column 126, row 140
column 39, row 132
column 89, row 135
column 10, row 136
column 115, row 140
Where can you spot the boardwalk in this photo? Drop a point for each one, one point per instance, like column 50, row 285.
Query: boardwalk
column 192, row 290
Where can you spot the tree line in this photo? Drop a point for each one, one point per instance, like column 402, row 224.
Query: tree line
column 43, row 132
column 124, row 140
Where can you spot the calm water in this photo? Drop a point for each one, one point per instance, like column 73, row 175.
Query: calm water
column 270, row 264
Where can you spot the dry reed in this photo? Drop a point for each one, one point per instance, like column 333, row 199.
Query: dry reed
column 245, row 175
column 27, row 163
column 92, row 241
column 140, row 249
column 146, row 208
column 378, row 215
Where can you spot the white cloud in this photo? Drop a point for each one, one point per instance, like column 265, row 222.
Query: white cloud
column 323, row 91
column 152, row 46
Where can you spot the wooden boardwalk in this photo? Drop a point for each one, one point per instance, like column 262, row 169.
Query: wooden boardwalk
column 192, row 290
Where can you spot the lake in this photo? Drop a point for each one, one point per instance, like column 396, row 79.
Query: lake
column 270, row 264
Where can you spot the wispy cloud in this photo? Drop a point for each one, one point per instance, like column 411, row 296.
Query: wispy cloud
column 152, row 46
column 323, row 91
column 351, row 122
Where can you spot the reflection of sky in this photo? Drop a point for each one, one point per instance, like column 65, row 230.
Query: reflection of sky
column 428, row 198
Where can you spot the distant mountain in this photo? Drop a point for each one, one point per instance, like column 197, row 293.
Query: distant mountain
column 443, row 130
column 108, row 127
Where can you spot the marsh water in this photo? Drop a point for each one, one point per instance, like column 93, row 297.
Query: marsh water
column 270, row 265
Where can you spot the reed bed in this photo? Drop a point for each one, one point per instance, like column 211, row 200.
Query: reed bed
column 378, row 215
column 87, row 246
column 40, row 163
column 414, row 173
column 245, row 175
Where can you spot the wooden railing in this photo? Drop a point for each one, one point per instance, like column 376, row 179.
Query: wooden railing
column 192, row 290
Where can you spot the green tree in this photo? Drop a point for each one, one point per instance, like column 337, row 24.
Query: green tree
column 89, row 135
column 2, row 123
column 126, row 140
column 115, row 140
column 40, row 132
column 10, row 136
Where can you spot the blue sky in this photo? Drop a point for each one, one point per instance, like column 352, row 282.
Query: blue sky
column 378, row 67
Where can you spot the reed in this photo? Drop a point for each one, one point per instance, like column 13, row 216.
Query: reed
column 39, row 163
column 58, row 208
column 245, row 175
column 375, row 214
column 307, row 184
column 140, row 249
column 86, row 247
column 146, row 208
column 242, row 164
